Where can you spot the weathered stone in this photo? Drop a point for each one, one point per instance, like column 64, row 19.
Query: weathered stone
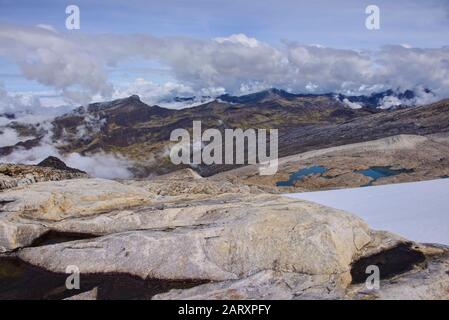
column 252, row 245
column 88, row 295
column 266, row 285
column 28, row 212
column 58, row 200
column 16, row 232
column 428, row 281
column 269, row 232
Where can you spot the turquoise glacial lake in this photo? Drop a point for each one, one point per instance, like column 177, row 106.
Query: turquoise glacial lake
column 298, row 175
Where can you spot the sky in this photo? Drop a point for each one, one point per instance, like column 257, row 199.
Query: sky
column 159, row 49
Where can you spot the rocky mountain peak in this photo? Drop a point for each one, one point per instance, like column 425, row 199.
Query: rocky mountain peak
column 134, row 97
column 56, row 163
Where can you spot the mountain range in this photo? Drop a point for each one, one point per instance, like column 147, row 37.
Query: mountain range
column 373, row 101
column 140, row 133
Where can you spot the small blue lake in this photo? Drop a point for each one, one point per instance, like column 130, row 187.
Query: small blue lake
column 381, row 172
column 300, row 174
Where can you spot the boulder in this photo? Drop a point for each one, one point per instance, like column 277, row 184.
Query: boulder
column 250, row 244
column 271, row 233
column 57, row 200
column 27, row 212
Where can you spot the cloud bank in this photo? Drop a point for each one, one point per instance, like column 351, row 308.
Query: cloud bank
column 79, row 64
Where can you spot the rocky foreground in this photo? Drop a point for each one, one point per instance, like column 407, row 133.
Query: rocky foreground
column 181, row 236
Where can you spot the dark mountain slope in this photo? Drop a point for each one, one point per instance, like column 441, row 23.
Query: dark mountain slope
column 141, row 132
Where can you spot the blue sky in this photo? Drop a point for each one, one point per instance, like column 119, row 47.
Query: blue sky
column 330, row 23
column 277, row 23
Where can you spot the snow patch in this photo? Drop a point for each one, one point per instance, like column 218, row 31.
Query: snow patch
column 423, row 217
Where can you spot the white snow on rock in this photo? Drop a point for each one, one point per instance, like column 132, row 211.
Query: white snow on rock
column 418, row 211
